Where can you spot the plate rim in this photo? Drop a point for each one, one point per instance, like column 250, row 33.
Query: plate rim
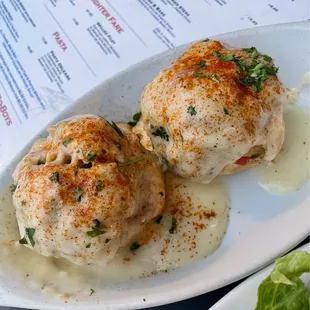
column 227, row 297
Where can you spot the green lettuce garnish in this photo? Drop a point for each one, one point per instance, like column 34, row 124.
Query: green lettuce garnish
column 282, row 289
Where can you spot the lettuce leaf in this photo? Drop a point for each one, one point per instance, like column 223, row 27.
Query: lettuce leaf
column 282, row 289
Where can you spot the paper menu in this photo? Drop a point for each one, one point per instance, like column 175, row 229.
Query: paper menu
column 53, row 51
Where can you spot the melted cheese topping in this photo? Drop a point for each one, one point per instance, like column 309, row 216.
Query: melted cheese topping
column 200, row 119
column 84, row 193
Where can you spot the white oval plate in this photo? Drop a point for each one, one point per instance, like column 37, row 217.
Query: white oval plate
column 262, row 226
column 244, row 296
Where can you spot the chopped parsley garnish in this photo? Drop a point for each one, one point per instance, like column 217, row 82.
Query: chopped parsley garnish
column 54, row 177
column 23, row 202
column 202, row 64
column 255, row 72
column 182, row 138
column 95, row 232
column 136, row 117
column 12, row 188
column 226, row 111
column 240, row 63
column 91, row 292
column 96, row 229
column 251, row 81
column 91, row 156
column 78, row 151
column 88, row 245
column 272, row 70
column 252, row 51
column 30, row 233
column 267, row 58
column 98, row 186
column 107, row 240
column 158, row 219
column 161, row 132
column 228, row 57
column 199, row 74
column 66, row 142
column 116, row 128
column 191, row 110
column 205, row 40
column 130, row 162
column 78, row 194
column 214, row 77
column 135, row 246
column 23, row 241
column 173, row 225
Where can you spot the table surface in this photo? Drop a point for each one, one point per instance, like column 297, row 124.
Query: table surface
column 202, row 302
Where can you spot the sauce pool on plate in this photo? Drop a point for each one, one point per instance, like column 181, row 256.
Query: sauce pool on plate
column 191, row 227
column 290, row 169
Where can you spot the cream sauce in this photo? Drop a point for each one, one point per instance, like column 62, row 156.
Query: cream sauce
column 201, row 213
column 290, row 170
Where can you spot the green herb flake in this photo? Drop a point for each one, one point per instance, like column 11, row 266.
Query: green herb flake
column 228, row 57
column 130, row 162
column 267, row 58
column 118, row 145
column 215, row 54
column 91, row 156
column 136, row 117
column 54, row 177
column 135, row 246
column 78, row 151
column 96, row 229
column 205, row 40
column 247, row 80
column 23, row 241
column 199, row 75
column 272, row 70
column 66, row 142
column 202, row 64
column 226, row 111
column 30, row 233
column 107, row 240
column 252, row 51
column 181, row 136
column 161, row 194
column 98, row 186
column 23, row 202
column 161, row 132
column 214, row 78
column 91, row 292
column 240, row 63
column 173, row 225
column 95, row 232
column 88, row 245
column 116, row 128
column 191, row 110
column 158, row 219
column 78, row 194
column 12, row 188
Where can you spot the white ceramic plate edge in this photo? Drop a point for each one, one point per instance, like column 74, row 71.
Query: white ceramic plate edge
column 241, row 292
